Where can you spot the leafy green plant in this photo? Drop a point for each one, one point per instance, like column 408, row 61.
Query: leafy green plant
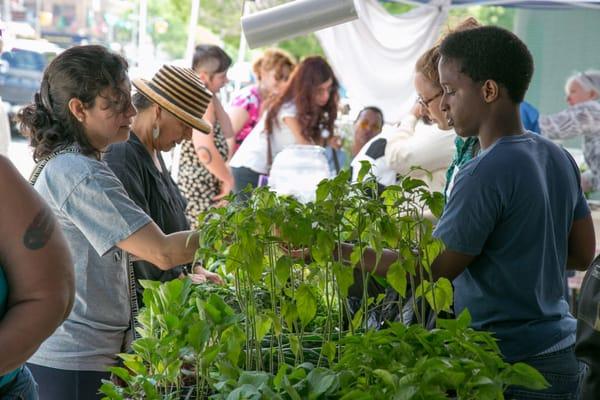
column 283, row 328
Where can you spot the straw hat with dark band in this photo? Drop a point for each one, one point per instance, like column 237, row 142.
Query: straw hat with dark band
column 179, row 91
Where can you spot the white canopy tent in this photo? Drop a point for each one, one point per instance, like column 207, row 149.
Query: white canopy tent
column 374, row 56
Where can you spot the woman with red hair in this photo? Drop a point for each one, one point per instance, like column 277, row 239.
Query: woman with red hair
column 300, row 114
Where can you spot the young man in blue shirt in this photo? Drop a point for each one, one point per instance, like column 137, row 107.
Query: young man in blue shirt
column 516, row 216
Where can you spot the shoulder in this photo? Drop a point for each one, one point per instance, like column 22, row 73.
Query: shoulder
column 7, row 170
column 125, row 153
column 68, row 171
column 73, row 166
column 591, row 105
column 246, row 97
column 287, row 110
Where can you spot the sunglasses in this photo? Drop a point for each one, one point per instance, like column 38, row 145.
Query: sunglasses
column 425, row 103
column 364, row 124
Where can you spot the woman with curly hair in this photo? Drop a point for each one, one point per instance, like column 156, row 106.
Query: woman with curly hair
column 305, row 109
column 82, row 107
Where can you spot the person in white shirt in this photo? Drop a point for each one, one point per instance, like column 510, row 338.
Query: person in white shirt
column 305, row 109
column 398, row 149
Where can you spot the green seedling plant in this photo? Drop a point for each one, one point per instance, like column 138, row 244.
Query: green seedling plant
column 283, row 329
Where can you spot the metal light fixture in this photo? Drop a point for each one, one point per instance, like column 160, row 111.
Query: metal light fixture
column 295, row 18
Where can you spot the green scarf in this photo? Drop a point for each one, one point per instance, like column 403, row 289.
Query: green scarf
column 465, row 150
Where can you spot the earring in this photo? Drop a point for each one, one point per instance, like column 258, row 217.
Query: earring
column 155, row 132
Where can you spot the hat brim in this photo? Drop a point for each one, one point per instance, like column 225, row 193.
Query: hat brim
column 197, row 123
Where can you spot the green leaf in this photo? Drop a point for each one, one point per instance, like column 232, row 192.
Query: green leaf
column 396, row 277
column 108, row 388
column 387, row 377
column 357, row 319
column 436, row 204
column 464, row 319
column 320, row 381
column 244, row 392
column 323, row 250
column 148, row 284
column 329, row 350
column 356, row 394
column 322, row 191
column 355, row 256
column 410, row 184
column 254, row 378
column 441, row 296
column 344, row 276
column 365, row 167
column 294, row 344
column 233, row 339
column 290, row 313
column 521, row 374
column 254, row 261
column 121, row 373
column 263, row 325
column 306, row 304
column 198, row 335
column 432, row 250
column 282, row 269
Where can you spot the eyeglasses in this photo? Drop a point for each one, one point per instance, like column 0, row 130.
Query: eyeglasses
column 425, row 103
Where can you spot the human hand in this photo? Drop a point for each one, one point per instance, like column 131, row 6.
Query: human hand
column 418, row 111
column 201, row 275
column 226, row 188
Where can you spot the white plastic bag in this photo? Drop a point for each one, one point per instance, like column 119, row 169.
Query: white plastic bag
column 297, row 170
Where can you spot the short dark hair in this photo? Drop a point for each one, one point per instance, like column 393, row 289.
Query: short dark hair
column 491, row 52
column 370, row 108
column 208, row 53
column 141, row 102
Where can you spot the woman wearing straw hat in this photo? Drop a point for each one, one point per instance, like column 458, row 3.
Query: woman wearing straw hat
column 83, row 106
column 160, row 124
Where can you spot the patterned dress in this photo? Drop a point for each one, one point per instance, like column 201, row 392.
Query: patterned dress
column 196, row 183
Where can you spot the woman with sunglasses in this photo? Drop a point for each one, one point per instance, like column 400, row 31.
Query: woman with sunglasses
column 272, row 71
column 582, row 118
column 303, row 111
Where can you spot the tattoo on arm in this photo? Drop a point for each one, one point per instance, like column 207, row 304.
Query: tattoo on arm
column 40, row 230
column 207, row 159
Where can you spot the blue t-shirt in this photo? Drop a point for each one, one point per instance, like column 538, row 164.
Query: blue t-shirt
column 513, row 207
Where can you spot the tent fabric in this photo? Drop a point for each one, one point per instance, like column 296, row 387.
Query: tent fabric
column 374, row 56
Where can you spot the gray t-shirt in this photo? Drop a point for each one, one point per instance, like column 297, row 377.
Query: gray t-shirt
column 95, row 214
